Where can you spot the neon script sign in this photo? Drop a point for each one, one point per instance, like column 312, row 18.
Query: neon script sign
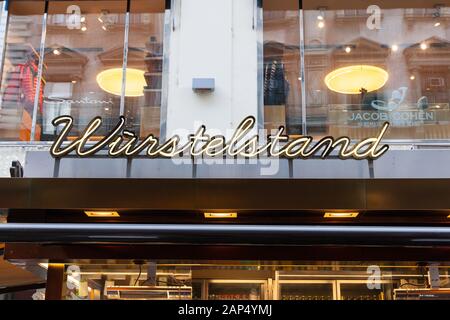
column 124, row 143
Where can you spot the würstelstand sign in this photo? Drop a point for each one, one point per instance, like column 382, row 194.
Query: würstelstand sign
column 120, row 142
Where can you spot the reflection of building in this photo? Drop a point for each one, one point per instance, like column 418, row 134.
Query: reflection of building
column 404, row 49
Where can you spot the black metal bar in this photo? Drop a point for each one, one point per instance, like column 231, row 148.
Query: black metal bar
column 32, row 286
column 129, row 166
column 194, row 168
column 208, row 234
column 291, row 168
column 56, row 167
column 371, row 168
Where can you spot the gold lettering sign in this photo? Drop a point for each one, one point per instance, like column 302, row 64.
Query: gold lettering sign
column 124, row 143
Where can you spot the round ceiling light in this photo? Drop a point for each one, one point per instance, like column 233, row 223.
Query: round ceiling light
column 111, row 81
column 356, row 79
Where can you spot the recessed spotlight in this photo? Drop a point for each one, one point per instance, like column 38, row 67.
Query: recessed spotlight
column 56, row 52
column 320, row 17
column 412, row 78
column 220, row 215
column 341, row 214
column 74, row 81
column 423, row 46
column 394, row 47
column 321, row 24
column 83, row 19
column 348, row 49
column 83, row 28
column 102, row 214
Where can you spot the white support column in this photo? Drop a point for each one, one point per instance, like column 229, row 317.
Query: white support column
column 212, row 39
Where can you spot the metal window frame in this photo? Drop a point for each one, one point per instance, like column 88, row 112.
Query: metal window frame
column 167, row 33
column 39, row 74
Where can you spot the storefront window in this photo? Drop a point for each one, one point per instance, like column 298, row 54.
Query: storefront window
column 281, row 67
column 20, row 72
column 253, row 280
column 327, row 68
column 145, row 53
column 83, row 63
column 366, row 64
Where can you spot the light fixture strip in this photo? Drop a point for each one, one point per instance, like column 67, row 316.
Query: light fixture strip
column 220, row 215
column 341, row 214
column 102, row 214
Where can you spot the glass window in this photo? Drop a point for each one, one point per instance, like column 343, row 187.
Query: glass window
column 83, row 64
column 145, row 54
column 281, row 67
column 20, row 71
column 367, row 64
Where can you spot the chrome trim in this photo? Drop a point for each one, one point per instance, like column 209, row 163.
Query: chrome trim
column 168, row 15
column 260, row 56
column 124, row 64
column 39, row 75
column 302, row 70
column 231, row 234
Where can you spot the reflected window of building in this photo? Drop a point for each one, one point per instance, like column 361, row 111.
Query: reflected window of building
column 83, row 63
column 281, row 67
column 367, row 64
column 20, row 71
column 145, row 53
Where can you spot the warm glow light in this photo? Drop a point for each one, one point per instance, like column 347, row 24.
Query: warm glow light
column 221, row 215
column 83, row 19
column 111, row 81
column 352, row 79
column 437, row 24
column 102, row 214
column 341, row 214
column 348, row 49
column 83, row 28
column 321, row 24
column 56, row 52
column 412, row 78
column 423, row 46
column 394, row 47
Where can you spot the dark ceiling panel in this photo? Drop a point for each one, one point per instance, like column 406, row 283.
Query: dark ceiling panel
column 230, row 194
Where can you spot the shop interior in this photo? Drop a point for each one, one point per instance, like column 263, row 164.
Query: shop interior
column 248, row 280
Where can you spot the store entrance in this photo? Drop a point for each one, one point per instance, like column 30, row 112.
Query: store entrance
column 251, row 280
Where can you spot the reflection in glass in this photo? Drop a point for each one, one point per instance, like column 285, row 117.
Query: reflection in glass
column 20, row 71
column 281, row 83
column 145, row 45
column 411, row 44
column 84, row 38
